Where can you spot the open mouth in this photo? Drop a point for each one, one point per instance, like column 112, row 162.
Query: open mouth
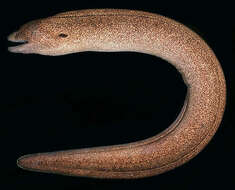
column 18, row 45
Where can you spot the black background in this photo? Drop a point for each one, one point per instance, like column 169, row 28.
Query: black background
column 92, row 99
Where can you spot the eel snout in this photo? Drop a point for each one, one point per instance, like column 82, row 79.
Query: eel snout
column 23, row 45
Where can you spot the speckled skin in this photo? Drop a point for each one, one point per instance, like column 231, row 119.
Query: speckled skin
column 126, row 30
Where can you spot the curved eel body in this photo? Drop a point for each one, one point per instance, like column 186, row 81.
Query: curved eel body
column 137, row 31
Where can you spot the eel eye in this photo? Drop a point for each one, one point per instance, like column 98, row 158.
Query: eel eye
column 63, row 35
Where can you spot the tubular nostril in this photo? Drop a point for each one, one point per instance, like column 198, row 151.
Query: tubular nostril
column 11, row 37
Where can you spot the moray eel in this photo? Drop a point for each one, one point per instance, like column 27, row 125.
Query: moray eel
column 112, row 30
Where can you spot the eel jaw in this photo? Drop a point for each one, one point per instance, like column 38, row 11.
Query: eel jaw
column 24, row 47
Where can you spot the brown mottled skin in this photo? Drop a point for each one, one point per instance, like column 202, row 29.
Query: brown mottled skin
column 128, row 30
